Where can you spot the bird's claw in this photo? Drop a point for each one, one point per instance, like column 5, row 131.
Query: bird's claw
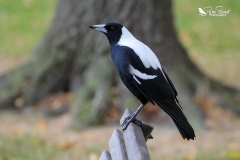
column 126, row 122
column 145, row 128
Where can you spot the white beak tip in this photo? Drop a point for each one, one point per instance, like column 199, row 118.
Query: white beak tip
column 99, row 27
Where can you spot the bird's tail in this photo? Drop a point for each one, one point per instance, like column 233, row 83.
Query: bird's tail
column 172, row 108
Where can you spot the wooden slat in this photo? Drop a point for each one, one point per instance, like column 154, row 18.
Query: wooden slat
column 105, row 156
column 134, row 140
column 117, row 146
column 130, row 144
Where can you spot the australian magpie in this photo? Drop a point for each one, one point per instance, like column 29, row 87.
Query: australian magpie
column 142, row 73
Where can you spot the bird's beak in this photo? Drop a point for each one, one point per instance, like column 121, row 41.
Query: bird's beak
column 99, row 27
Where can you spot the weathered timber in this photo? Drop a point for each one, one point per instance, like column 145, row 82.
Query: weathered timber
column 130, row 144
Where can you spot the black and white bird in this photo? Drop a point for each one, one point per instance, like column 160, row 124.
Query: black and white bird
column 142, row 73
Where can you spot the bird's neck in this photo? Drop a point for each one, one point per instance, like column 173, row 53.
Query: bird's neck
column 113, row 40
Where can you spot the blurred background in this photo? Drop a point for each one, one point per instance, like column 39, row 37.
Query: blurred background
column 41, row 119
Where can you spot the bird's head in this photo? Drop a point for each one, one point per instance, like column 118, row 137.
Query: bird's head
column 113, row 31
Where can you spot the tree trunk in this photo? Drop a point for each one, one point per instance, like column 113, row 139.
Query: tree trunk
column 71, row 57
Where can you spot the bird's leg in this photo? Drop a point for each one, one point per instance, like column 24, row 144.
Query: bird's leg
column 131, row 118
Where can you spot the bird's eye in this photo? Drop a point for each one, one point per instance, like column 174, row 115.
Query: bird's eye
column 112, row 27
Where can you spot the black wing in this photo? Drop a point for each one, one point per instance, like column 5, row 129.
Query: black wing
column 160, row 86
column 170, row 82
column 162, row 91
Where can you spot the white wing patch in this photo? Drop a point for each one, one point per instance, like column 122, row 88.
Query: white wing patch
column 148, row 58
column 139, row 74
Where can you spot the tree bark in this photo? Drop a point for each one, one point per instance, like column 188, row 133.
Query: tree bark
column 73, row 58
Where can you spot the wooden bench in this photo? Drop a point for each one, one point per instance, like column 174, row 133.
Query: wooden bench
column 130, row 144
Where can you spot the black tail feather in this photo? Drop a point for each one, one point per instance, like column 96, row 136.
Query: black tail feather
column 174, row 111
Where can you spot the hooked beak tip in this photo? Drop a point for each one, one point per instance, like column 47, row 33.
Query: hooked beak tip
column 99, row 27
column 92, row 27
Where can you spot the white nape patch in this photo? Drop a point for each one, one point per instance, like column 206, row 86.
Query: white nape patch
column 146, row 55
column 139, row 74
column 100, row 27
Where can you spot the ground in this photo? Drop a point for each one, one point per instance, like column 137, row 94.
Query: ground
column 35, row 136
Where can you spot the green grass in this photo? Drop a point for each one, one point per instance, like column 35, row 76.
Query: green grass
column 211, row 35
column 220, row 154
column 27, row 146
column 212, row 42
column 22, row 24
column 31, row 146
